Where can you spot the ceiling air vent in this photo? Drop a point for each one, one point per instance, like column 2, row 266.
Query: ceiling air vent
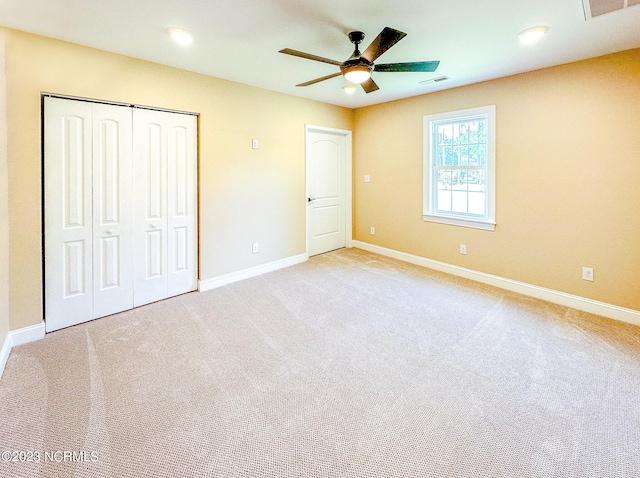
column 438, row 79
column 595, row 8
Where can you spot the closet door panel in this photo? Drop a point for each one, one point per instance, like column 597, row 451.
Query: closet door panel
column 150, row 206
column 67, row 166
column 182, row 203
column 112, row 210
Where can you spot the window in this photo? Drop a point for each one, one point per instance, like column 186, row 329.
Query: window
column 459, row 168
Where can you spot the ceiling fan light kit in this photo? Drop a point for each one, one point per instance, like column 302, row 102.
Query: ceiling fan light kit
column 356, row 73
column 359, row 67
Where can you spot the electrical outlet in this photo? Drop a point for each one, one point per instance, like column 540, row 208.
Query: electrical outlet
column 254, row 143
column 372, row 231
column 256, row 248
column 367, row 178
column 587, row 273
column 463, row 248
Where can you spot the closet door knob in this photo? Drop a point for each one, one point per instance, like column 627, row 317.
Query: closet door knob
column 109, row 232
column 153, row 226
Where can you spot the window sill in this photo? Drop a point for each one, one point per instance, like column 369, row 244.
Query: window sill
column 453, row 221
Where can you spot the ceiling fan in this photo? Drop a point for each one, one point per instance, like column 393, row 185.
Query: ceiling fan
column 358, row 68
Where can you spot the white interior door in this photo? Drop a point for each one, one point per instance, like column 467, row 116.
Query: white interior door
column 112, row 211
column 68, row 213
column 165, row 168
column 326, row 190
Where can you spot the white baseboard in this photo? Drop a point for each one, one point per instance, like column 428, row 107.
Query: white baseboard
column 4, row 353
column 19, row 337
column 575, row 302
column 27, row 334
column 219, row 281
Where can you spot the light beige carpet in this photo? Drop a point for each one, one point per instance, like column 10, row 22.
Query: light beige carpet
column 349, row 365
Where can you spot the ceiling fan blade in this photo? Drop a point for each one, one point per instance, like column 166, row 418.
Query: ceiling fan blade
column 369, row 86
column 424, row 66
column 385, row 40
column 318, row 80
column 308, row 56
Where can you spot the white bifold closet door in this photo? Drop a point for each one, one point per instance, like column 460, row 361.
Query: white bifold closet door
column 88, row 218
column 119, row 208
column 165, row 204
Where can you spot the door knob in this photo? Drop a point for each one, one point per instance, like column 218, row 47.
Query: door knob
column 311, row 199
column 153, row 226
column 109, row 232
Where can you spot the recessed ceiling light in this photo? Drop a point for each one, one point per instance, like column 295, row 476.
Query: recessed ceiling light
column 532, row 35
column 349, row 89
column 180, row 36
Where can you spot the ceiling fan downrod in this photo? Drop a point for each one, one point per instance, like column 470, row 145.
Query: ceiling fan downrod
column 356, row 38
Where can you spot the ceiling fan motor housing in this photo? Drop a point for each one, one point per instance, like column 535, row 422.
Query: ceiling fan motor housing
column 356, row 37
column 358, row 63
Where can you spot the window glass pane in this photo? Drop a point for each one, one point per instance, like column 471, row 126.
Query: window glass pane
column 464, row 130
column 476, row 203
column 444, row 179
column 462, row 179
column 443, row 200
column 473, row 132
column 470, row 177
column 464, row 155
column 482, row 131
column 445, row 133
column 441, row 156
column 455, row 179
column 459, row 201
column 474, row 155
column 482, row 154
column 449, row 156
column 455, row 157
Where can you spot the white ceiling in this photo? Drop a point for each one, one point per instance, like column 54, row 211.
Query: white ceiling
column 239, row 40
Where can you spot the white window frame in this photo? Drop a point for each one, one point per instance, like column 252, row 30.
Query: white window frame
column 486, row 222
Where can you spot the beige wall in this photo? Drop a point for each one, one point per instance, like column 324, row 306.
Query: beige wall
column 245, row 195
column 4, row 204
column 568, row 169
column 568, row 178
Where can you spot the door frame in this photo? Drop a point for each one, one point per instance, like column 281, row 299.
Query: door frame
column 348, row 172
